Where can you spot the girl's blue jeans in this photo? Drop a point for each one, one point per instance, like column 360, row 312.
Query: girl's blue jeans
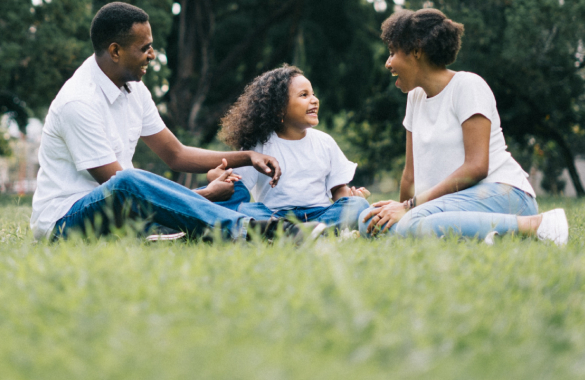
column 140, row 195
column 473, row 212
column 343, row 213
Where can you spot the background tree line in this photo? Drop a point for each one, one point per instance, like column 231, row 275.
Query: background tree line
column 531, row 52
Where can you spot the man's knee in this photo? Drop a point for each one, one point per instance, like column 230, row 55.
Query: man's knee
column 127, row 178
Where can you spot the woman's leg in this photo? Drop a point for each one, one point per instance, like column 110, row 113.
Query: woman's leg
column 472, row 212
column 476, row 211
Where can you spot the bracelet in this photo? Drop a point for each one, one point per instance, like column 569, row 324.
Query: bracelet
column 409, row 204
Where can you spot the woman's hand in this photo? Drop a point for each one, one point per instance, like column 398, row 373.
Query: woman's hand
column 387, row 212
column 361, row 192
column 214, row 174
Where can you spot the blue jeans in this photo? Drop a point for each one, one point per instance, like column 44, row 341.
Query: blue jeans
column 137, row 194
column 472, row 212
column 240, row 195
column 343, row 213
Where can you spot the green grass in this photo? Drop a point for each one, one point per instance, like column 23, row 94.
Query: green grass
column 119, row 308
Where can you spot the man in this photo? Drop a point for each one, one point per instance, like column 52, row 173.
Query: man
column 90, row 134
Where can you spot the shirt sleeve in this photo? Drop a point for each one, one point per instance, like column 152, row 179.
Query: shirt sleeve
column 152, row 123
column 83, row 130
column 408, row 117
column 342, row 169
column 473, row 96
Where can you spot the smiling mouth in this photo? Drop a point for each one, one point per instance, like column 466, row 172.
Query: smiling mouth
column 394, row 74
column 312, row 111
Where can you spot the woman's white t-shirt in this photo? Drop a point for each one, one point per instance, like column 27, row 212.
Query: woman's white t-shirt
column 437, row 134
column 310, row 168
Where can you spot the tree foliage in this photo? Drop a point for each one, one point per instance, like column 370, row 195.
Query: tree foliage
column 529, row 51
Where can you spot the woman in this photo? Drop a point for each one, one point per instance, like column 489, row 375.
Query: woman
column 458, row 175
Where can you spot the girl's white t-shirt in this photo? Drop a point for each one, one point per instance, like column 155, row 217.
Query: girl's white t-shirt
column 310, row 168
column 437, row 133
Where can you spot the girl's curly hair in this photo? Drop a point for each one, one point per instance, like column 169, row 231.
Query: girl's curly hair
column 427, row 29
column 259, row 111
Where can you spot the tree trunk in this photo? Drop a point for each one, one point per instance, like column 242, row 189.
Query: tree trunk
column 195, row 76
column 569, row 160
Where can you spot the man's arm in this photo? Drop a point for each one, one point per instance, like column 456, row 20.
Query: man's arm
column 103, row 173
column 220, row 189
column 183, row 158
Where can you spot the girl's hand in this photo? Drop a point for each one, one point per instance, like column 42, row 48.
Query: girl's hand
column 214, row 174
column 220, row 189
column 387, row 212
column 361, row 192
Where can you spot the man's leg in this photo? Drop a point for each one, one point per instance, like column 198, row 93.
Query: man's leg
column 137, row 194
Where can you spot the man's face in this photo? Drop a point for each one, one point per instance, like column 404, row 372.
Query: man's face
column 134, row 58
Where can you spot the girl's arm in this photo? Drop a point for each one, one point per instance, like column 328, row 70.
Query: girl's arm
column 341, row 191
column 476, row 142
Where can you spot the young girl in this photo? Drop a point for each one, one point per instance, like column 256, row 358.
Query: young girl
column 275, row 116
column 458, row 175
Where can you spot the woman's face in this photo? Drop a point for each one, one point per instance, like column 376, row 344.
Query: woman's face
column 303, row 105
column 404, row 67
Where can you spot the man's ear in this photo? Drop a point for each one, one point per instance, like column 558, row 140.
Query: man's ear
column 114, row 51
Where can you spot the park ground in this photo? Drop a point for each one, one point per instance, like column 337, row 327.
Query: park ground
column 121, row 308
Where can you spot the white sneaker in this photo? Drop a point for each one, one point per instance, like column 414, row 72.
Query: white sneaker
column 167, row 237
column 554, row 227
column 317, row 231
column 489, row 239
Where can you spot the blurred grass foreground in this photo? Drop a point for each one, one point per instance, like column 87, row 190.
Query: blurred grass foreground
column 120, row 308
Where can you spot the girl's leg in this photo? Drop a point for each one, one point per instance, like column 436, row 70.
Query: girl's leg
column 342, row 214
column 476, row 211
column 256, row 210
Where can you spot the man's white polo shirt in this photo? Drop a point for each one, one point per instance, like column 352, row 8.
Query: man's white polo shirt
column 90, row 123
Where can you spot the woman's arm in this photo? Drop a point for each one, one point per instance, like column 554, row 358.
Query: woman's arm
column 407, row 181
column 476, row 142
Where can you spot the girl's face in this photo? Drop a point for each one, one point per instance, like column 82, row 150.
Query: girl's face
column 303, row 105
column 404, row 67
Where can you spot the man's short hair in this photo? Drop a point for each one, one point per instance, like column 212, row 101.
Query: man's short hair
column 113, row 23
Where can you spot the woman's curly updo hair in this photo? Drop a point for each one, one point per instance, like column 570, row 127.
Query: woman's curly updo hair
column 260, row 110
column 427, row 29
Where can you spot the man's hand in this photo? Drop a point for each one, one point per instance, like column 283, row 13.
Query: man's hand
column 214, row 174
column 361, row 192
column 266, row 165
column 219, row 189
column 387, row 212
